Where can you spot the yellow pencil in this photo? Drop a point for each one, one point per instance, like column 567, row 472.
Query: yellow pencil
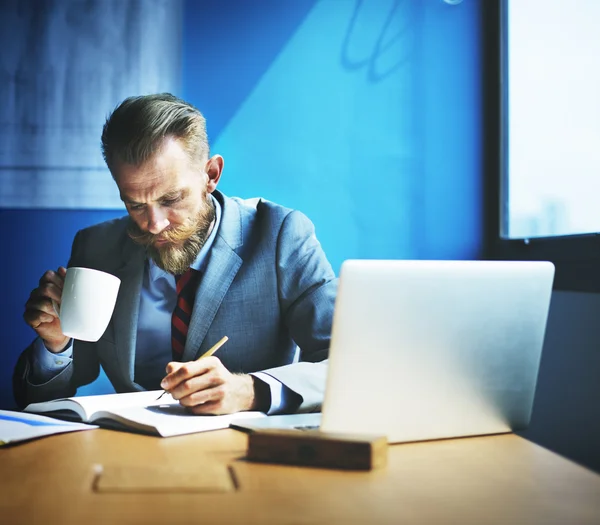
column 208, row 353
column 214, row 348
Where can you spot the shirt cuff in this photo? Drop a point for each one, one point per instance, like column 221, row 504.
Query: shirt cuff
column 46, row 364
column 279, row 392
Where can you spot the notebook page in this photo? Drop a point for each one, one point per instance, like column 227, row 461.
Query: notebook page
column 171, row 419
column 110, row 402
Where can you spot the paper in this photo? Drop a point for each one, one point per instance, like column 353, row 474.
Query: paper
column 171, row 419
column 138, row 411
column 19, row 426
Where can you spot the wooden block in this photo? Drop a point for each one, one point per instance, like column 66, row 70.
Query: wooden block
column 318, row 449
column 208, row 477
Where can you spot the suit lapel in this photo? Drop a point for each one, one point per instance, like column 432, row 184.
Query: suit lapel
column 221, row 270
column 223, row 266
column 127, row 308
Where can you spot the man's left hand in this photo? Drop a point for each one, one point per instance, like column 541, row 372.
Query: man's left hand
column 205, row 386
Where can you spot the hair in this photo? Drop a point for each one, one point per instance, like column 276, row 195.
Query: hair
column 138, row 126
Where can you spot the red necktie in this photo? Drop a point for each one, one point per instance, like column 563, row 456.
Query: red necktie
column 186, row 285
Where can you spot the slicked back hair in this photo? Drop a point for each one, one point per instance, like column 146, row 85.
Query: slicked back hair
column 138, row 126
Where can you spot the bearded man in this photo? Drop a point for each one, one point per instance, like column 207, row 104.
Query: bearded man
column 258, row 273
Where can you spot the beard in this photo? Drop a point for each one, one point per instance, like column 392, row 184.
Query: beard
column 183, row 243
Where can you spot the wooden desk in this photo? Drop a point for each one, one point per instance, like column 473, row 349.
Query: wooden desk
column 496, row 479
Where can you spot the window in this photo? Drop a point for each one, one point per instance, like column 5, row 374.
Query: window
column 542, row 127
column 552, row 117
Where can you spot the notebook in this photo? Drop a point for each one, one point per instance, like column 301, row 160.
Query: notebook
column 426, row 350
column 147, row 412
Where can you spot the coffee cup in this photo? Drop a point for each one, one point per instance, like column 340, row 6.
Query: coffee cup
column 87, row 303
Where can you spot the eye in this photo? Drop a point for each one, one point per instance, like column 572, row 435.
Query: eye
column 170, row 202
column 136, row 207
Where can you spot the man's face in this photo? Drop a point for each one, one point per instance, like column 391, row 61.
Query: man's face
column 169, row 206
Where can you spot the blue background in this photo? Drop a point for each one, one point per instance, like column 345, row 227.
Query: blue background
column 366, row 116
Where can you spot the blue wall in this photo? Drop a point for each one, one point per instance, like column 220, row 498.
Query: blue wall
column 364, row 115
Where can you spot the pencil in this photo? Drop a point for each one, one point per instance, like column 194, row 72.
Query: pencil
column 214, row 347
column 208, row 353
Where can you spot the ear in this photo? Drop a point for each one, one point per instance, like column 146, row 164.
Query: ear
column 214, row 168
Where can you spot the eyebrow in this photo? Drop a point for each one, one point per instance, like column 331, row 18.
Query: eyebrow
column 181, row 193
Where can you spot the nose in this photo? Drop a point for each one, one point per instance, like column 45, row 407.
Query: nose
column 157, row 219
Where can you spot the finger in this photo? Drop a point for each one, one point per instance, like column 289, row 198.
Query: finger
column 62, row 271
column 188, row 370
column 35, row 318
column 46, row 291
column 168, row 380
column 42, row 310
column 40, row 304
column 173, row 366
column 42, row 301
column 52, row 277
column 210, row 407
column 186, row 389
column 215, row 394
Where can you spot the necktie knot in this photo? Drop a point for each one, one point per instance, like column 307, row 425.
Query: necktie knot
column 181, row 281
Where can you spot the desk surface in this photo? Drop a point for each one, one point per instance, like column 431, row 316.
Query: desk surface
column 494, row 479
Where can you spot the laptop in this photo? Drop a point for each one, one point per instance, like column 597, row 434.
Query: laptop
column 425, row 350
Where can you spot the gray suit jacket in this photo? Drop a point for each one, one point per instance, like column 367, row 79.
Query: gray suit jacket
column 267, row 285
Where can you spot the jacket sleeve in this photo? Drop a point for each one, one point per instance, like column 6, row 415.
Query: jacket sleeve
column 307, row 290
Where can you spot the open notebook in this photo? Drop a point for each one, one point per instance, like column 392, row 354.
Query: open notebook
column 137, row 412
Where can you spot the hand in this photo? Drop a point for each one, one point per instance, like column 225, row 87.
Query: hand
column 205, row 386
column 40, row 313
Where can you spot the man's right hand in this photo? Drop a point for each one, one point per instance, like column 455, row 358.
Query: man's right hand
column 40, row 313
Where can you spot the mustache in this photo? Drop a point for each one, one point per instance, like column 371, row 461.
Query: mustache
column 178, row 234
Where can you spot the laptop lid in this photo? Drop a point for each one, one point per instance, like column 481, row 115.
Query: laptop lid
column 436, row 349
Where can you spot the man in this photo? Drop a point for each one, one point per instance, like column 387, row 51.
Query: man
column 255, row 269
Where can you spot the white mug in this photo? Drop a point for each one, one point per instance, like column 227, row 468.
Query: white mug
column 87, row 303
